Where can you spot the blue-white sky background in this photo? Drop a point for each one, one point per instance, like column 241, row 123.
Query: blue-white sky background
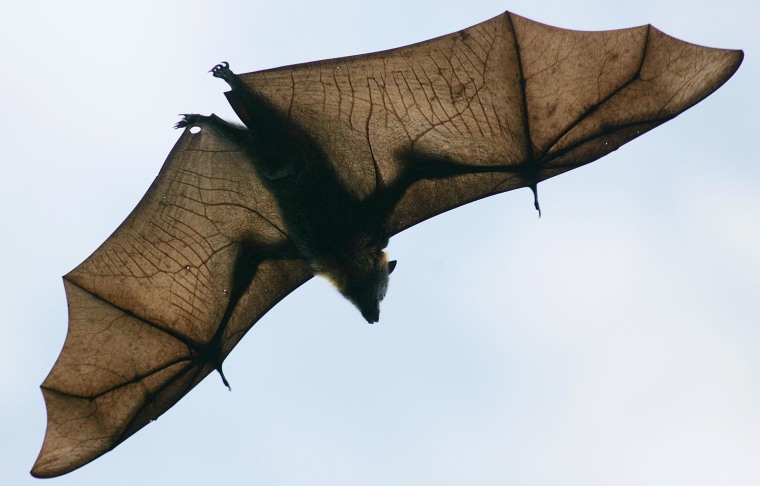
column 616, row 340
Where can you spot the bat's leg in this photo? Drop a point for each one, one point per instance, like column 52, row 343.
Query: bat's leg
column 432, row 167
column 429, row 167
column 245, row 268
column 534, row 188
column 244, row 271
column 280, row 147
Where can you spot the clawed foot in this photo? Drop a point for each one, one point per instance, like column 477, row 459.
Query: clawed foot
column 189, row 120
column 223, row 71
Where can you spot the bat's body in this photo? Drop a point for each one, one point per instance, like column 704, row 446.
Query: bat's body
column 335, row 158
column 338, row 235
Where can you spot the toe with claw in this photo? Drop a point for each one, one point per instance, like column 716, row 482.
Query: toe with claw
column 189, row 120
column 223, row 71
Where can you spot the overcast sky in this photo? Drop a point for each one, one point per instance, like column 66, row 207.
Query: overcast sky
column 616, row 340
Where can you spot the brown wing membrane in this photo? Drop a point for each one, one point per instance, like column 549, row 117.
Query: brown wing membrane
column 408, row 133
column 525, row 99
column 160, row 304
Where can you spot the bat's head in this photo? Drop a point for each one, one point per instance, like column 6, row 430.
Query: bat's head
column 365, row 284
column 367, row 291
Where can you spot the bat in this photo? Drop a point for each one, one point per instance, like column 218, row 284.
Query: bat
column 334, row 158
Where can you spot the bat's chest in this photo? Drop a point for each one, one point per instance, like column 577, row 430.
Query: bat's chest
column 322, row 219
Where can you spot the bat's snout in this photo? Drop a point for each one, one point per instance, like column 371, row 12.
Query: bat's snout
column 372, row 316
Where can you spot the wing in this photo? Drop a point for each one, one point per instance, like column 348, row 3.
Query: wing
column 165, row 299
column 512, row 102
column 501, row 105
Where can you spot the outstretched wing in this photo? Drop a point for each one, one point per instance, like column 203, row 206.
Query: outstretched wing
column 508, row 93
column 162, row 302
column 501, row 105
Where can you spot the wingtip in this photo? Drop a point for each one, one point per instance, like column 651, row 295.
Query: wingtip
column 60, row 455
column 739, row 53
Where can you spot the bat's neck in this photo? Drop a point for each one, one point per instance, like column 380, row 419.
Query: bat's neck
column 357, row 260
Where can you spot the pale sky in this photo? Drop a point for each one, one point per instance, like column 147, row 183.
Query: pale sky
column 615, row 340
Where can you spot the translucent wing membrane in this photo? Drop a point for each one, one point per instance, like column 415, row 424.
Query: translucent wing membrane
column 416, row 131
column 155, row 309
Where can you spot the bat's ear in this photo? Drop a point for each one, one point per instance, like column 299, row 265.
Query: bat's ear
column 391, row 266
